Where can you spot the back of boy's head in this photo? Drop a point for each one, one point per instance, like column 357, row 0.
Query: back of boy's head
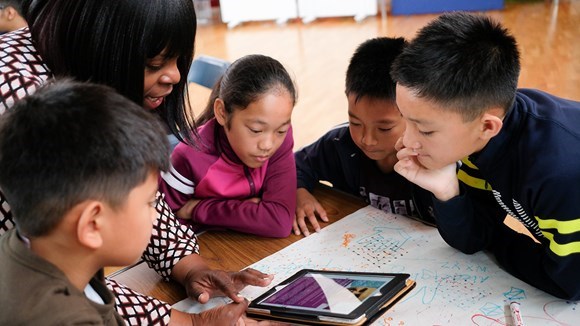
column 465, row 62
column 16, row 4
column 245, row 81
column 368, row 71
column 70, row 142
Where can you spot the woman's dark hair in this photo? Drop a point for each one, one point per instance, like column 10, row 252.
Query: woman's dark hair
column 110, row 41
column 245, row 81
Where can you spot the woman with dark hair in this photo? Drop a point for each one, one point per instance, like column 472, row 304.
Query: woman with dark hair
column 156, row 35
column 143, row 49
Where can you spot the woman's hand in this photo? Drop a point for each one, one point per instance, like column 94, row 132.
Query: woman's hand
column 201, row 285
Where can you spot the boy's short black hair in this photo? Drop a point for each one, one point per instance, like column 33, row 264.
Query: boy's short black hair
column 369, row 67
column 71, row 142
column 465, row 62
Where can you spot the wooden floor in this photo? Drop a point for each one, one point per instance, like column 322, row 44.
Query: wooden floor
column 317, row 54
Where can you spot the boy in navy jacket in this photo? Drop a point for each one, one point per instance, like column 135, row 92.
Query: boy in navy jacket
column 358, row 157
column 519, row 150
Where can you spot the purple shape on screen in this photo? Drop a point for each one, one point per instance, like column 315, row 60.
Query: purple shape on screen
column 304, row 292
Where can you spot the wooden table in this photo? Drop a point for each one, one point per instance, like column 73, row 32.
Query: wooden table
column 232, row 251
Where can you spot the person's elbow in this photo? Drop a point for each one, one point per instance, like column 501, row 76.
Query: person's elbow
column 569, row 291
column 282, row 229
column 574, row 296
column 465, row 248
column 270, row 231
column 281, row 225
column 281, row 233
column 465, row 245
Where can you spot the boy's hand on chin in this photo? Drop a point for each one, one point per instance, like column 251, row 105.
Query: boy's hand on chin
column 441, row 182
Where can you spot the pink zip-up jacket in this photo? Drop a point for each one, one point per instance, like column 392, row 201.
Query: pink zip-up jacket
column 213, row 173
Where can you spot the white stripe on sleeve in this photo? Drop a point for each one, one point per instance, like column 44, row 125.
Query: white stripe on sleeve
column 178, row 182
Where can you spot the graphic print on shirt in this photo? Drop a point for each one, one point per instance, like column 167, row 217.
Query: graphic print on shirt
column 470, row 175
column 520, row 214
column 400, row 207
column 389, row 192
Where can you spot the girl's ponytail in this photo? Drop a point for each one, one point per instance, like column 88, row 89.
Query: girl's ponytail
column 208, row 113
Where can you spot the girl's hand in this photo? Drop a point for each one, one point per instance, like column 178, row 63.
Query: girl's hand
column 442, row 182
column 255, row 200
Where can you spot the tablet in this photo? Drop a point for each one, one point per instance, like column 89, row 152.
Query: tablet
column 330, row 297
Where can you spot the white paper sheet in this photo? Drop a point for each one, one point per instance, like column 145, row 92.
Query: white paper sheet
column 452, row 288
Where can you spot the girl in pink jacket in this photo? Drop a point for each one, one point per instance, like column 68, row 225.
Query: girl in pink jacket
column 242, row 175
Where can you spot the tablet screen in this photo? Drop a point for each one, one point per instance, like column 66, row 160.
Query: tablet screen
column 322, row 292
